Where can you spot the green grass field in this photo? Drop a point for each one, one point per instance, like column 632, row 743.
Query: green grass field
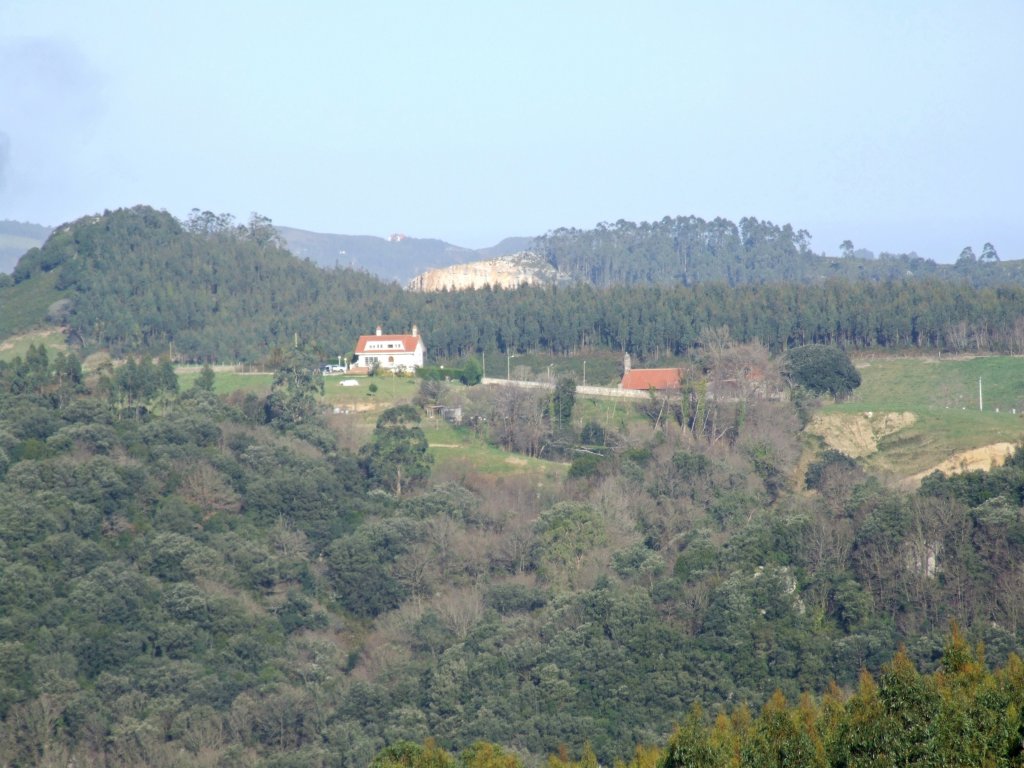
column 23, row 306
column 226, row 382
column 457, row 451
column 943, row 395
column 17, row 346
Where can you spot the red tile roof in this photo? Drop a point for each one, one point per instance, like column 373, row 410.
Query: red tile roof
column 408, row 341
column 659, row 378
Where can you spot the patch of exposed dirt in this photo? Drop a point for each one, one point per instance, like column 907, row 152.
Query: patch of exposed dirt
column 986, row 457
column 96, row 359
column 346, row 408
column 857, row 434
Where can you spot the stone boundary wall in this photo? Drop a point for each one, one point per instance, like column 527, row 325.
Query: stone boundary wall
column 631, row 394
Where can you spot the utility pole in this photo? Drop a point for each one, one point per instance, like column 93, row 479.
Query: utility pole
column 584, row 373
column 981, row 402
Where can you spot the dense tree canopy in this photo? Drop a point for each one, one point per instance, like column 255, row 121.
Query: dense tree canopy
column 191, row 579
column 137, row 280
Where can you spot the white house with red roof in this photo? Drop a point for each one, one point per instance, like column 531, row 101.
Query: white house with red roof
column 389, row 351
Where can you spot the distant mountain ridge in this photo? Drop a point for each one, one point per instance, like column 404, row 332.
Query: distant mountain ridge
column 16, row 237
column 398, row 258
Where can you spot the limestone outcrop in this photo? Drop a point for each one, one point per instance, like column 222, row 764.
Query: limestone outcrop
column 523, row 268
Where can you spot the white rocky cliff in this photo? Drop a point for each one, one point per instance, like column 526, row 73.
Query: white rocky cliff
column 523, row 268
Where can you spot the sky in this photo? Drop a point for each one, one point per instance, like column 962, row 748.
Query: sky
column 897, row 124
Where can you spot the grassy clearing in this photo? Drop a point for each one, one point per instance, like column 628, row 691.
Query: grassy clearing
column 23, row 306
column 458, row 451
column 614, row 414
column 226, row 382
column 17, row 346
column 391, row 390
column 943, row 395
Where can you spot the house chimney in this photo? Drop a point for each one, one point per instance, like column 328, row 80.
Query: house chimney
column 627, row 364
column 415, row 330
column 380, row 331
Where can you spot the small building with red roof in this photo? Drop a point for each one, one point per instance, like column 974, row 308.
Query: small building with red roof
column 644, row 379
column 393, row 352
column 652, row 378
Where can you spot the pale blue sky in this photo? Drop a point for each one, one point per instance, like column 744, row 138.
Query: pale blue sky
column 895, row 124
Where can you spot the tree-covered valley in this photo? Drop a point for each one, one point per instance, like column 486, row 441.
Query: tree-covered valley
column 193, row 578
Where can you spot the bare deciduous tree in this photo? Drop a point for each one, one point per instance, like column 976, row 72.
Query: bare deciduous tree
column 460, row 609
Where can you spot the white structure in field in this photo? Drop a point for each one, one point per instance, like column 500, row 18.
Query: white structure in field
column 393, row 352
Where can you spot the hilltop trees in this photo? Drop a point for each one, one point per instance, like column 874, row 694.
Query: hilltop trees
column 686, row 249
column 136, row 280
column 966, row 257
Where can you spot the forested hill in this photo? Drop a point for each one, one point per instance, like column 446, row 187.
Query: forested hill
column 138, row 280
column 690, row 250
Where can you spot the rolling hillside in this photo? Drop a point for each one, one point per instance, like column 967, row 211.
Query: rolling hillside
column 254, row 579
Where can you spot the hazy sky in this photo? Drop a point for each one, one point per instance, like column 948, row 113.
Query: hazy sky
column 896, row 124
